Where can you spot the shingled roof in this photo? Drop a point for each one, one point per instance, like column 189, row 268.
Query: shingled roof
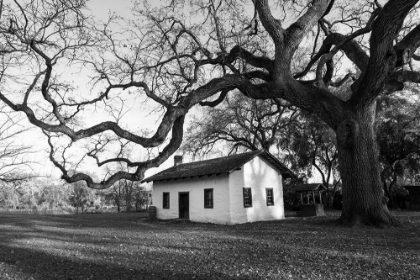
column 217, row 166
column 310, row 187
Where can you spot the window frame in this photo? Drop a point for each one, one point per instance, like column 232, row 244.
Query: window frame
column 267, row 190
column 164, row 206
column 212, row 198
column 246, row 205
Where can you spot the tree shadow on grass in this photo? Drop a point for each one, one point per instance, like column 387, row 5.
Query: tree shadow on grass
column 78, row 247
column 129, row 221
column 63, row 229
column 54, row 247
column 20, row 263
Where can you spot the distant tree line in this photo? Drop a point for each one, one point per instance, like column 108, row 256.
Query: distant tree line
column 43, row 194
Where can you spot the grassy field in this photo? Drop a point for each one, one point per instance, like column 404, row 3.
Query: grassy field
column 127, row 246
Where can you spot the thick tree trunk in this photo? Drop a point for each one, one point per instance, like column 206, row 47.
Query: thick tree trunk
column 363, row 196
column 118, row 206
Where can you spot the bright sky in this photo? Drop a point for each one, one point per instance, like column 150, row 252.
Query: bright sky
column 101, row 8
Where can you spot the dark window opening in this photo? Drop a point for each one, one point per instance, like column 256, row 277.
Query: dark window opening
column 270, row 197
column 247, row 197
column 165, row 200
column 208, row 198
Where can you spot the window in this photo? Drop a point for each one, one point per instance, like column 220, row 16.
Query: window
column 270, row 197
column 247, row 197
column 208, row 198
column 165, row 200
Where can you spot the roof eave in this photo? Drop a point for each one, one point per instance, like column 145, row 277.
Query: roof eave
column 150, row 179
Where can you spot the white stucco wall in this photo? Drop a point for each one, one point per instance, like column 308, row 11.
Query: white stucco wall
column 195, row 186
column 258, row 175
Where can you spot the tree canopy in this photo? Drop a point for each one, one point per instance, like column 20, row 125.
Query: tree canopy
column 398, row 139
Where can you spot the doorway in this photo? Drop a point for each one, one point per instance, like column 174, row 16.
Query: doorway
column 184, row 205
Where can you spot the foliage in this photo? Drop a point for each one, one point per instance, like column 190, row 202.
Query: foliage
column 48, row 194
column 34, row 194
column 313, row 144
column 399, row 140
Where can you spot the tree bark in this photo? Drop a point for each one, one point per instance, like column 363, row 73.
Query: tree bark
column 363, row 196
column 118, row 205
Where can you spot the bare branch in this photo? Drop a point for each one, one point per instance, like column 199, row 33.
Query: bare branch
column 382, row 61
column 272, row 25
column 407, row 46
column 341, row 82
column 216, row 102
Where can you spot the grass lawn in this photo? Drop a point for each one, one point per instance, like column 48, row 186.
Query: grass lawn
column 127, row 246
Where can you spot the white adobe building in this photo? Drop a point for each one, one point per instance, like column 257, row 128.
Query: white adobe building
column 229, row 190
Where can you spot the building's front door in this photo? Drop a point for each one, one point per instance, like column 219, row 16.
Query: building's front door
column 184, row 205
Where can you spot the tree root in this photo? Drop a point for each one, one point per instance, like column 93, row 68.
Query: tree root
column 382, row 220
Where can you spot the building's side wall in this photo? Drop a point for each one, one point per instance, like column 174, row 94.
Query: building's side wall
column 257, row 175
column 195, row 187
column 238, row 213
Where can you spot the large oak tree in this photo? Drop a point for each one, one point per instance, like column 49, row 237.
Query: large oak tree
column 179, row 55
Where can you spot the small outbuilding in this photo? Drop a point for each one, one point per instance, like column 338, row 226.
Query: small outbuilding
column 414, row 197
column 311, row 199
column 235, row 189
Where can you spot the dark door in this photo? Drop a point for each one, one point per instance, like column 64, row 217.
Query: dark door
column 184, row 206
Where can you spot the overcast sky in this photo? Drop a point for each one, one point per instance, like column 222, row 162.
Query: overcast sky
column 101, row 8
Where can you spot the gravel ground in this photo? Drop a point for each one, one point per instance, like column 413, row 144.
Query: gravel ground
column 128, row 246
